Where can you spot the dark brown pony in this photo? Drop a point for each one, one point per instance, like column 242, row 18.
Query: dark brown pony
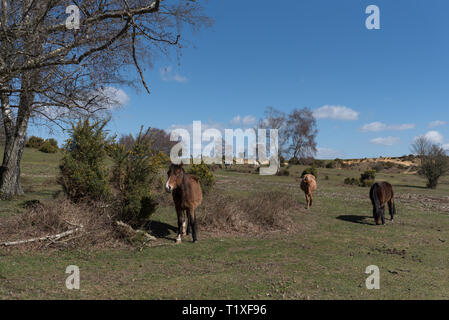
column 381, row 193
column 187, row 196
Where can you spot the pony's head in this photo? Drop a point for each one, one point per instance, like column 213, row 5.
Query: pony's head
column 309, row 178
column 175, row 175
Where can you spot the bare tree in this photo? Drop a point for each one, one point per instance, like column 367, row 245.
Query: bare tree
column 52, row 73
column 158, row 138
column 297, row 131
column 300, row 133
column 274, row 119
column 433, row 160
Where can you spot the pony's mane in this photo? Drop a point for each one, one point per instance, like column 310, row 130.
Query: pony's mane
column 194, row 178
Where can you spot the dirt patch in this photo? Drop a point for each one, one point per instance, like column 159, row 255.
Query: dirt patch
column 261, row 212
column 401, row 253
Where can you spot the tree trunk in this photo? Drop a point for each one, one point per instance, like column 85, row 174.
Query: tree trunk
column 10, row 170
column 15, row 136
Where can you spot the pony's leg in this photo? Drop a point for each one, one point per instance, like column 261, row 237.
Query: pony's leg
column 391, row 209
column 184, row 223
column 189, row 229
column 307, row 201
column 193, row 224
column 375, row 214
column 311, row 199
column 180, row 214
column 382, row 214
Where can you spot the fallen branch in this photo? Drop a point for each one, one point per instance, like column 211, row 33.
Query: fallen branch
column 128, row 232
column 51, row 238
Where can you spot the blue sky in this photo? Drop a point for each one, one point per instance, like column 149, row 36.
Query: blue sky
column 374, row 90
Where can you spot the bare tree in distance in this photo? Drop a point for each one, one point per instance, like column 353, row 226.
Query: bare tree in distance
column 160, row 140
column 297, row 131
column 51, row 73
column 433, row 160
column 301, row 131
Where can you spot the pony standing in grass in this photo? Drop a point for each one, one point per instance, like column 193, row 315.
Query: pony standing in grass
column 187, row 196
column 309, row 186
column 381, row 193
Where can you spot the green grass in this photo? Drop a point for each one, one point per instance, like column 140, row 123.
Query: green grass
column 326, row 260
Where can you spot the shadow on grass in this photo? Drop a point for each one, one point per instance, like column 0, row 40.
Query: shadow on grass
column 356, row 219
column 409, row 186
column 160, row 229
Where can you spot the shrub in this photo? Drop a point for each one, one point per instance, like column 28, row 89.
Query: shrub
column 204, row 173
column 367, row 178
column 433, row 161
column 48, row 147
column 367, row 183
column 34, row 142
column 82, row 170
column 319, row 163
column 283, row 172
column 311, row 170
column 331, row 164
column 135, row 171
column 52, row 142
column 351, row 181
column 301, row 161
column 282, row 161
column 378, row 167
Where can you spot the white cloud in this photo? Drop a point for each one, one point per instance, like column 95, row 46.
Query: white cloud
column 235, row 120
column 327, row 153
column 114, row 97
column 437, row 123
column 380, row 126
column 445, row 146
column 168, row 75
column 434, row 137
column 387, row 141
column 246, row 121
column 336, row 113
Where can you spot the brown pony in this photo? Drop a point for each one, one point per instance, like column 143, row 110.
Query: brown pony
column 308, row 185
column 381, row 193
column 187, row 196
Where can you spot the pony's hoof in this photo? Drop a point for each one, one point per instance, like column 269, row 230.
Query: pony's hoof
column 178, row 240
column 195, row 241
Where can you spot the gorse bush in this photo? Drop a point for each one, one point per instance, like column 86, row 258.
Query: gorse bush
column 135, row 170
column 367, row 178
column 204, row 173
column 352, row 181
column 49, row 146
column 83, row 175
column 34, row 142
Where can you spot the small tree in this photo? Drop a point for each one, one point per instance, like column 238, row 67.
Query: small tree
column 83, row 175
column 433, row 160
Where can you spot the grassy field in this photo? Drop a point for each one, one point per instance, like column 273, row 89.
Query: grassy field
column 326, row 259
